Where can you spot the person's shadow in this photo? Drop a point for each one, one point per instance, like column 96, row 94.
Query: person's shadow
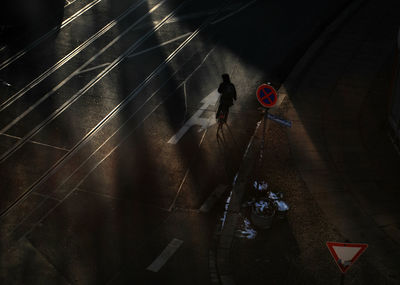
column 224, row 138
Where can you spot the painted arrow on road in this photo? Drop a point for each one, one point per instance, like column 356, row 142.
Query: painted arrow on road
column 196, row 120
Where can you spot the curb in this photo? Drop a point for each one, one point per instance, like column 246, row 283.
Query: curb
column 222, row 254
column 224, row 242
column 394, row 127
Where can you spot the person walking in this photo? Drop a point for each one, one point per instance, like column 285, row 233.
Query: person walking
column 228, row 94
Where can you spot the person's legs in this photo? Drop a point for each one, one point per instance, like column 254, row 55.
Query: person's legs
column 226, row 112
column 218, row 111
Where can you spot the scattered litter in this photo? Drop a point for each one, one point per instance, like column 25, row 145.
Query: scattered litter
column 246, row 231
column 260, row 186
column 262, row 214
column 281, row 209
column 263, row 207
column 281, row 206
column 266, row 207
column 274, row 196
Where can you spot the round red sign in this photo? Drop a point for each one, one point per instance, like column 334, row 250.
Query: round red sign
column 266, row 95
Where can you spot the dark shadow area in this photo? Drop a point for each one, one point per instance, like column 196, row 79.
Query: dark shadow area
column 22, row 20
column 345, row 146
column 274, row 251
column 226, row 146
column 272, row 43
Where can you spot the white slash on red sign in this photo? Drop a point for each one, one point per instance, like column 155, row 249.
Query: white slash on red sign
column 345, row 254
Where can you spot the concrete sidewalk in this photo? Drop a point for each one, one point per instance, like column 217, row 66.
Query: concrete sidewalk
column 337, row 167
column 341, row 143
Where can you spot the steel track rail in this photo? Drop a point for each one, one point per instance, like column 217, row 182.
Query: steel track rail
column 83, row 90
column 77, row 71
column 68, row 57
column 110, row 115
column 110, row 137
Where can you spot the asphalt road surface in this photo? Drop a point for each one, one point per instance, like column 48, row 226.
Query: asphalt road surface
column 108, row 141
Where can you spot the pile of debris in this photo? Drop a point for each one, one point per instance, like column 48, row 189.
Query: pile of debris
column 266, row 205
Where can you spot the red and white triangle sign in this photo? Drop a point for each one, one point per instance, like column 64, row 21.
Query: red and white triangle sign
column 345, row 254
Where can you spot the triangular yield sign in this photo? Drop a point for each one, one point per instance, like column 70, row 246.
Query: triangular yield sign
column 345, row 254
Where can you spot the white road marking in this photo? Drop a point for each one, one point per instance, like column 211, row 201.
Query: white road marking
column 93, row 68
column 213, row 198
column 160, row 45
column 54, row 30
column 196, row 119
column 165, row 255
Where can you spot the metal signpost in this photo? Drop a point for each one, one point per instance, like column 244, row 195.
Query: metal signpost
column 267, row 96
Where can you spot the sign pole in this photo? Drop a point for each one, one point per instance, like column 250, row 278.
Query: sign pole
column 267, row 97
column 263, row 136
column 342, row 279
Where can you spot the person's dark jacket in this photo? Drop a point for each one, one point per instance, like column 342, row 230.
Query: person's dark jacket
column 228, row 93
